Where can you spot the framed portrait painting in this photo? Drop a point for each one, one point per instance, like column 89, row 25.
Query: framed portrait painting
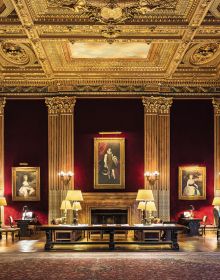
column 109, row 163
column 192, row 182
column 25, row 183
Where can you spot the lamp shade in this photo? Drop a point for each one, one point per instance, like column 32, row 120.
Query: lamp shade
column 74, row 195
column 151, row 206
column 76, row 206
column 141, row 205
column 3, row 201
column 145, row 195
column 65, row 205
column 216, row 201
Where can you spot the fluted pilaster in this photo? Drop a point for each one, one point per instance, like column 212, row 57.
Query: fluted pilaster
column 216, row 105
column 157, row 149
column 2, row 106
column 60, row 150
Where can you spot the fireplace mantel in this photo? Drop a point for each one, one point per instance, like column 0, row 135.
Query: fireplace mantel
column 109, row 200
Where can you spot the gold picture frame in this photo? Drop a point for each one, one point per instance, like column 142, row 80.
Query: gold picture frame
column 192, row 182
column 25, row 183
column 109, row 163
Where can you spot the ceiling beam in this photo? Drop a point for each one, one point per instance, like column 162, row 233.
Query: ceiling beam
column 32, row 34
column 189, row 34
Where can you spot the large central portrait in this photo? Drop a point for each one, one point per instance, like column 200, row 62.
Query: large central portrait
column 109, row 163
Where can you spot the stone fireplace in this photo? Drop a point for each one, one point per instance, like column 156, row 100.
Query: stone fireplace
column 115, row 208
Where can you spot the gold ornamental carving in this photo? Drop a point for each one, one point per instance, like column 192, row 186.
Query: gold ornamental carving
column 205, row 53
column 2, row 105
column 216, row 105
column 60, row 105
column 14, row 53
column 157, row 105
column 112, row 12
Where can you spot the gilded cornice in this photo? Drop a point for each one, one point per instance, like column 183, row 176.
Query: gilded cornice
column 157, row 105
column 60, row 105
column 2, row 105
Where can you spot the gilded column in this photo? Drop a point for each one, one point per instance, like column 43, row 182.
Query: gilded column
column 157, row 149
column 216, row 105
column 60, row 149
column 164, row 158
column 2, row 105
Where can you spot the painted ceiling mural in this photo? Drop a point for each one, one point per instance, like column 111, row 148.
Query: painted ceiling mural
column 109, row 46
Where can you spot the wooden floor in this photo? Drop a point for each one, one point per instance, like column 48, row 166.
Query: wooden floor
column 35, row 244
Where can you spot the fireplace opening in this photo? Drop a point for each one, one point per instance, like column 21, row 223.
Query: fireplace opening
column 109, row 216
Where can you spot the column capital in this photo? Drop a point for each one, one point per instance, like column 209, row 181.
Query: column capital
column 157, row 105
column 2, row 105
column 60, row 105
column 216, row 105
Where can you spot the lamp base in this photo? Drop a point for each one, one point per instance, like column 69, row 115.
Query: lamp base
column 75, row 217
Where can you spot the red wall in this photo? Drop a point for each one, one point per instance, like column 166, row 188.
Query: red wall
column 192, row 137
column 26, row 141
column 94, row 115
column 192, row 142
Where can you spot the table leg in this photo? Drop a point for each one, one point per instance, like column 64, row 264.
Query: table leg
column 48, row 244
column 13, row 236
column 111, row 239
column 174, row 245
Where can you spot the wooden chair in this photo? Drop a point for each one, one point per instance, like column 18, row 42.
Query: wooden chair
column 203, row 225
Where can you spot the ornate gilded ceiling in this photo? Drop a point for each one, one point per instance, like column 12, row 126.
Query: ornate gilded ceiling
column 112, row 47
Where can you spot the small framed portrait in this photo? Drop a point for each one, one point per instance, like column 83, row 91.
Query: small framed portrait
column 192, row 182
column 25, row 183
column 109, row 163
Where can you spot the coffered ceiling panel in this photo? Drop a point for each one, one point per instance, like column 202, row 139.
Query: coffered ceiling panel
column 110, row 46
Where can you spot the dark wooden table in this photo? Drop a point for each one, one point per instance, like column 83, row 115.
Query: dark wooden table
column 192, row 224
column 168, row 231
column 23, row 225
column 7, row 230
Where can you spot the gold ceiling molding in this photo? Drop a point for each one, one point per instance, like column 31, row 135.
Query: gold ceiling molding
column 6, row 7
column 112, row 13
column 14, row 53
column 183, row 37
column 17, row 54
column 215, row 9
column 205, row 54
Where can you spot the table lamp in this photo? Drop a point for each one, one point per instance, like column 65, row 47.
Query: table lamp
column 76, row 207
column 144, row 196
column 141, row 206
column 2, row 204
column 65, row 205
column 216, row 202
column 75, row 196
column 150, row 207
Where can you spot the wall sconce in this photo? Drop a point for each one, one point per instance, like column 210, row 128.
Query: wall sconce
column 152, row 177
column 65, row 177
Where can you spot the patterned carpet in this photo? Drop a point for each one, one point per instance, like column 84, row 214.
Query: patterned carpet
column 110, row 265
